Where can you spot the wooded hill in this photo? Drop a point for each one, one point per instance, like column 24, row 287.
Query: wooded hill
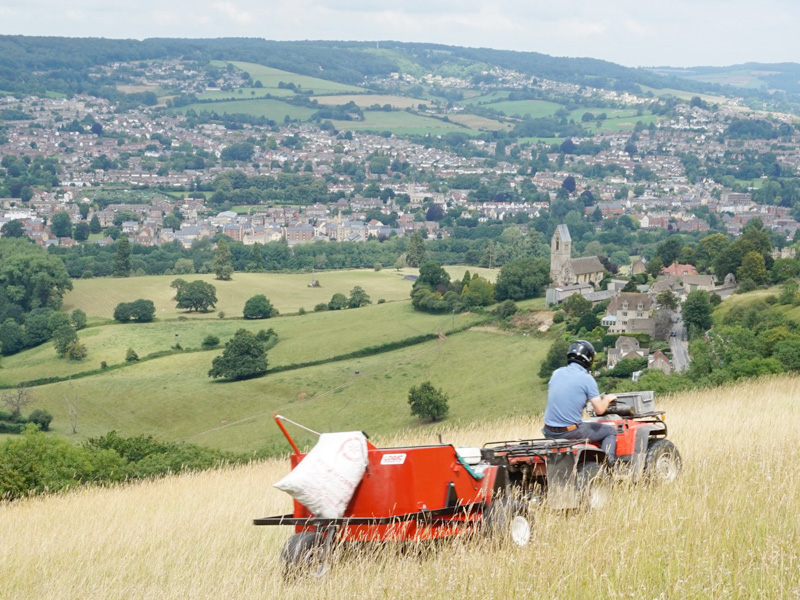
column 31, row 65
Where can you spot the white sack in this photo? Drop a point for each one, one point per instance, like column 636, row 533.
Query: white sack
column 325, row 480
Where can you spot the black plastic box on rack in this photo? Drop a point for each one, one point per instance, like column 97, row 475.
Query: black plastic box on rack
column 640, row 402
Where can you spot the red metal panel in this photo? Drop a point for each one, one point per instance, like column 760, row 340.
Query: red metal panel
column 399, row 481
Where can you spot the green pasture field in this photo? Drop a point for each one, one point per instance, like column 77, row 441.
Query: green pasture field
column 479, row 123
column 485, row 374
column 740, row 78
column 620, row 119
column 540, row 140
column 270, row 108
column 683, row 95
column 365, row 100
column 485, row 98
column 343, row 332
column 400, row 123
column 534, row 108
column 239, row 93
column 288, row 292
column 270, row 78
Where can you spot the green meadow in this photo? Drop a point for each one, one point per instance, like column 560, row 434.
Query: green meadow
column 287, row 292
column 484, row 98
column 365, row 100
column 683, row 95
column 479, row 123
column 485, row 371
column 745, row 78
column 620, row 119
column 401, row 122
column 270, row 78
column 485, row 374
column 269, row 108
column 535, row 109
column 242, row 93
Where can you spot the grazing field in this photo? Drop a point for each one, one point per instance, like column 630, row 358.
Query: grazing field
column 484, row 373
column 241, row 93
column 623, row 119
column 345, row 331
column 682, row 94
column 287, row 292
column 270, row 78
column 268, row 108
column 479, row 123
column 485, row 98
column 365, row 100
column 172, row 397
column 728, row 528
column 521, row 108
column 400, row 123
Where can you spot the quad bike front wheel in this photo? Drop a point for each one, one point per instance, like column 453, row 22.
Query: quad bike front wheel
column 663, row 462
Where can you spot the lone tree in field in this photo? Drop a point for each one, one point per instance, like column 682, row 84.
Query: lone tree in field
column 223, row 261
column 244, row 356
column 428, row 402
column 195, row 295
column 358, row 298
column 259, row 307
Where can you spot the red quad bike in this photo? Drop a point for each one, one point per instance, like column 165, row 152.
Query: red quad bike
column 419, row 493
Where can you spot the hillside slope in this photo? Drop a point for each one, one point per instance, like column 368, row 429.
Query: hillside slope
column 729, row 528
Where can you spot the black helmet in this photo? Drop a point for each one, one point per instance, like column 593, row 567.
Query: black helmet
column 581, row 352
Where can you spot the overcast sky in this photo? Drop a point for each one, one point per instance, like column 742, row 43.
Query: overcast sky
column 629, row 32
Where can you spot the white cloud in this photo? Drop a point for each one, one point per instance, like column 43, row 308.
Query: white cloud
column 580, row 29
column 234, row 13
column 637, row 28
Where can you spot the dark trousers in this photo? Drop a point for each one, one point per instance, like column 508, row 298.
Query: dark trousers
column 594, row 432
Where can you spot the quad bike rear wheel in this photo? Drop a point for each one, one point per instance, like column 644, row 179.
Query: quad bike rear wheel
column 507, row 519
column 592, row 486
column 663, row 462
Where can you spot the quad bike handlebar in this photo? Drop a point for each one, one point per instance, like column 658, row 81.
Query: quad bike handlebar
column 622, row 410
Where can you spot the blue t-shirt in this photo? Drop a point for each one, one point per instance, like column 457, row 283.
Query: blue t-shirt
column 569, row 389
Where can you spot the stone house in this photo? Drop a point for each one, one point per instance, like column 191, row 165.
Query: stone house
column 658, row 360
column 625, row 347
column 630, row 312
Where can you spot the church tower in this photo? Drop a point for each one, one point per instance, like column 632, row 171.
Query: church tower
column 560, row 254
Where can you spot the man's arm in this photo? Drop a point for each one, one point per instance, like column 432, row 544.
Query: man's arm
column 600, row 403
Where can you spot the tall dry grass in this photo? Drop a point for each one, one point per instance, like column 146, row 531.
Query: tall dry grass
column 729, row 528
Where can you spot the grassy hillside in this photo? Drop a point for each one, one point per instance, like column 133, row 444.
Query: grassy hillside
column 365, row 100
column 287, row 292
column 268, row 108
column 484, row 372
column 534, row 109
column 729, row 528
column 270, row 78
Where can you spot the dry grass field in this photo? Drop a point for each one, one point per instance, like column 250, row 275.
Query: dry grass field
column 729, row 528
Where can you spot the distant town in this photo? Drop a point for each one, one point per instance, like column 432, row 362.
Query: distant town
column 642, row 174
